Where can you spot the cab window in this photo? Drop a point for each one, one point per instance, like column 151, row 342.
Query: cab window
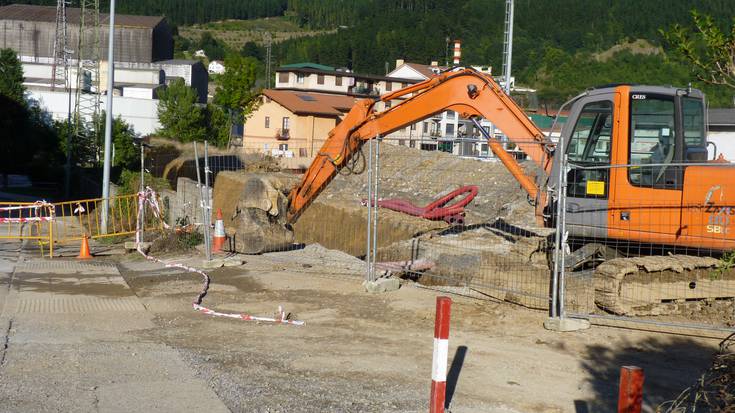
column 694, row 135
column 652, row 141
column 590, row 145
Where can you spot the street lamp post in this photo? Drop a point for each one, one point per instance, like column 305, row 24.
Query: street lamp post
column 108, row 122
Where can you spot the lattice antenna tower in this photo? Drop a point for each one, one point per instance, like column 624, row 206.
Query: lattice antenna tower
column 60, row 65
column 87, row 96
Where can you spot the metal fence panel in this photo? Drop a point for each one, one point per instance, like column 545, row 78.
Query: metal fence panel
column 76, row 219
column 650, row 242
column 27, row 221
column 469, row 223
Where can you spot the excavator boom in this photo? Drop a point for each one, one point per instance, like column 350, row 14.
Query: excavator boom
column 466, row 91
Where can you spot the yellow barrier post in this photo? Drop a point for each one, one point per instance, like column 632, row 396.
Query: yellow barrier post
column 51, row 238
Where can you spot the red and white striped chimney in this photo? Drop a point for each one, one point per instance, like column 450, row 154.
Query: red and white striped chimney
column 457, row 52
column 441, row 350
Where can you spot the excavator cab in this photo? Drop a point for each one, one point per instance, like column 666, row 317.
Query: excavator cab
column 638, row 168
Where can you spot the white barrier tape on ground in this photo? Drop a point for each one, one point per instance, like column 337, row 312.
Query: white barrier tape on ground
column 149, row 197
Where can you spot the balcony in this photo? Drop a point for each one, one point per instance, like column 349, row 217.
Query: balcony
column 282, row 134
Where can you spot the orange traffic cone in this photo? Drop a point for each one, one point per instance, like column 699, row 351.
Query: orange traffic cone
column 84, row 250
column 219, row 239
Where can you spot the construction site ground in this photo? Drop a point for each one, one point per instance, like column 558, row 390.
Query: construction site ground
column 119, row 333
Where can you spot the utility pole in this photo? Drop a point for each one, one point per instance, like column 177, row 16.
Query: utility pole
column 108, row 121
column 268, row 47
column 507, row 53
column 508, row 44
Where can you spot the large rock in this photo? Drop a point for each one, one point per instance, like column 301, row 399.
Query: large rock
column 254, row 207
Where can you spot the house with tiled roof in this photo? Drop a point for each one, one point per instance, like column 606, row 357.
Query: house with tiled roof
column 296, row 117
column 293, row 124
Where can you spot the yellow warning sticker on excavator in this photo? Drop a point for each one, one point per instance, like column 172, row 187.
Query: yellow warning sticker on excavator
column 595, row 188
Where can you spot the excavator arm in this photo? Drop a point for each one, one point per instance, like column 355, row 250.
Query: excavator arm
column 467, row 92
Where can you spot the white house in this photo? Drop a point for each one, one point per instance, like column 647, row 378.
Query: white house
column 721, row 125
column 216, row 67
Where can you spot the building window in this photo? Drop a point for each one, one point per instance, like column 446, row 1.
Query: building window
column 320, row 79
column 426, row 127
column 267, row 122
column 450, row 114
column 388, row 86
column 404, row 85
column 283, row 147
column 299, row 78
column 302, row 152
column 450, row 129
column 283, row 77
column 285, row 123
column 387, row 104
column 338, row 81
column 413, row 126
column 401, row 142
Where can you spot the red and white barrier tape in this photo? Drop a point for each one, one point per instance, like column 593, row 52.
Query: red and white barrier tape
column 34, row 211
column 35, row 205
column 22, row 220
column 149, row 197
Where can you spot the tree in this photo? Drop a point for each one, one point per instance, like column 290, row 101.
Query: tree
column 709, row 49
column 219, row 123
column 235, row 87
column 250, row 49
column 126, row 154
column 11, row 76
column 211, row 46
column 178, row 113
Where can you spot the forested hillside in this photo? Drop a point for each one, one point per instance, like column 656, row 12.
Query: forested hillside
column 560, row 46
column 555, row 42
column 186, row 11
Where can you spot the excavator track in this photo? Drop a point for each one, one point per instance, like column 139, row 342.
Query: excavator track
column 659, row 285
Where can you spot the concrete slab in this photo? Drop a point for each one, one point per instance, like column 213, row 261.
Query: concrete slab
column 73, row 332
column 213, row 263
column 159, row 396
column 566, row 324
column 133, row 246
column 382, row 285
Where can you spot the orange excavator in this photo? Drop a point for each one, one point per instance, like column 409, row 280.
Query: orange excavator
column 637, row 177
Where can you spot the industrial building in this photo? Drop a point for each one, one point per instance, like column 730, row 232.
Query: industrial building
column 30, row 30
column 143, row 62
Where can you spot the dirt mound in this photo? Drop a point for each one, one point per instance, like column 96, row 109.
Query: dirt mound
column 421, row 177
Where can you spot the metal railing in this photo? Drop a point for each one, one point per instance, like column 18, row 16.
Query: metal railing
column 77, row 219
column 28, row 221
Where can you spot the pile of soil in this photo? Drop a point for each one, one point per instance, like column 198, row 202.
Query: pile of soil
column 421, row 177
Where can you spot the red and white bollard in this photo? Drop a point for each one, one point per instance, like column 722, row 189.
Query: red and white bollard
column 630, row 397
column 441, row 350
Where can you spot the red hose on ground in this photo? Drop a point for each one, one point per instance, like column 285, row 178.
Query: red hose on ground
column 437, row 210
